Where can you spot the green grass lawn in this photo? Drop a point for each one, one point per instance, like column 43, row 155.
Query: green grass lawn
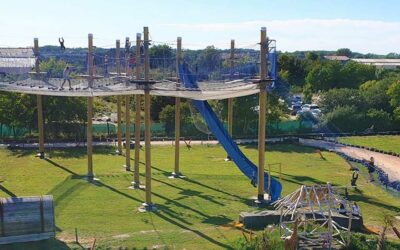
column 194, row 213
column 382, row 142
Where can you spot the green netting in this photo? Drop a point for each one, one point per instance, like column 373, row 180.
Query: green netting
column 187, row 130
column 6, row 132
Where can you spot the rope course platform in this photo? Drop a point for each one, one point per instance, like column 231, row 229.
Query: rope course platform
column 108, row 86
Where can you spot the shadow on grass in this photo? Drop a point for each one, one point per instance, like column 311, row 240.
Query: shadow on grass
column 197, row 232
column 76, row 152
column 5, row 190
column 62, row 168
column 186, row 193
column 361, row 197
column 283, row 148
column 301, row 180
column 38, row 245
column 22, row 152
column 187, row 179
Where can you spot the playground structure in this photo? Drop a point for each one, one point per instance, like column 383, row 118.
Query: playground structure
column 183, row 85
column 315, row 209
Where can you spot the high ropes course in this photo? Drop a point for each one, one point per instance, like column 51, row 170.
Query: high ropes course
column 127, row 73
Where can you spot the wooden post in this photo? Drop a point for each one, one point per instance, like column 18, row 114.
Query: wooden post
column 90, row 113
column 39, row 100
column 177, row 173
column 127, row 115
column 136, row 182
column 230, row 100
column 118, row 68
column 119, row 133
column 262, row 115
column 147, row 124
column 127, row 133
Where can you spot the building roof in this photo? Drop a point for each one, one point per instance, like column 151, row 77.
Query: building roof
column 337, row 58
column 368, row 60
column 16, row 53
column 16, row 60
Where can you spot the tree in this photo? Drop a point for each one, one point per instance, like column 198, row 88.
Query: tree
column 344, row 52
column 157, row 104
column 375, row 94
column 345, row 119
column 394, row 94
column 208, row 61
column 324, row 76
column 353, row 74
column 294, row 67
column 335, row 98
column 161, row 56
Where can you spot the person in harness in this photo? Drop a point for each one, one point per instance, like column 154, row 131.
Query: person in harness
column 354, row 178
column 61, row 41
column 66, row 77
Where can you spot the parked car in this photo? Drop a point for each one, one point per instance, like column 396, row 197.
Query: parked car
column 294, row 109
column 314, row 106
column 306, row 107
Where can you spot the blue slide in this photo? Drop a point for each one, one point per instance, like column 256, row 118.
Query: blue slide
column 216, row 127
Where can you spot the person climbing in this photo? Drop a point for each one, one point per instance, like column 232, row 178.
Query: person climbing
column 61, row 41
column 66, row 77
column 371, row 169
column 342, row 208
column 355, row 210
column 354, row 178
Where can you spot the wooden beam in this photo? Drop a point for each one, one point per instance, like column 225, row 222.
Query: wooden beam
column 136, row 181
column 262, row 114
column 39, row 100
column 90, row 113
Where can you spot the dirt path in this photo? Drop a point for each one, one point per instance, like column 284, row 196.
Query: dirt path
column 388, row 163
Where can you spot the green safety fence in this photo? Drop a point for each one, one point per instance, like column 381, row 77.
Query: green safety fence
column 187, row 130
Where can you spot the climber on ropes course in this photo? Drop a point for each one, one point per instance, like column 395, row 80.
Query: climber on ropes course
column 66, row 77
column 61, row 41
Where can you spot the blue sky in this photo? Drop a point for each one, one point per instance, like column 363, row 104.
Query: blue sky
column 361, row 25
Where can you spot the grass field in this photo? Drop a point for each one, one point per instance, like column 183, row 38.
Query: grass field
column 197, row 212
column 382, row 142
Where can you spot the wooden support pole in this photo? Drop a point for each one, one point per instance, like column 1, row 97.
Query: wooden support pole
column 90, row 114
column 119, row 132
column 127, row 114
column 176, row 172
column 136, row 181
column 39, row 100
column 147, row 124
column 119, row 112
column 128, row 133
column 230, row 100
column 262, row 115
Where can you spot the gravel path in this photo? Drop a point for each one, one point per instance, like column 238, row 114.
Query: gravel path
column 388, row 163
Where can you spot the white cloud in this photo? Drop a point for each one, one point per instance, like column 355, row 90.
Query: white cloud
column 305, row 34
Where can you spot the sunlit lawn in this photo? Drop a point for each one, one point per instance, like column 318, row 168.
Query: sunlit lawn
column 390, row 143
column 197, row 212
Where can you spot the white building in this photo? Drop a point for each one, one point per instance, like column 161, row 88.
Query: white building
column 380, row 63
column 16, row 60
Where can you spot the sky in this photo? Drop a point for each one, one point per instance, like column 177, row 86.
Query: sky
column 367, row 26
